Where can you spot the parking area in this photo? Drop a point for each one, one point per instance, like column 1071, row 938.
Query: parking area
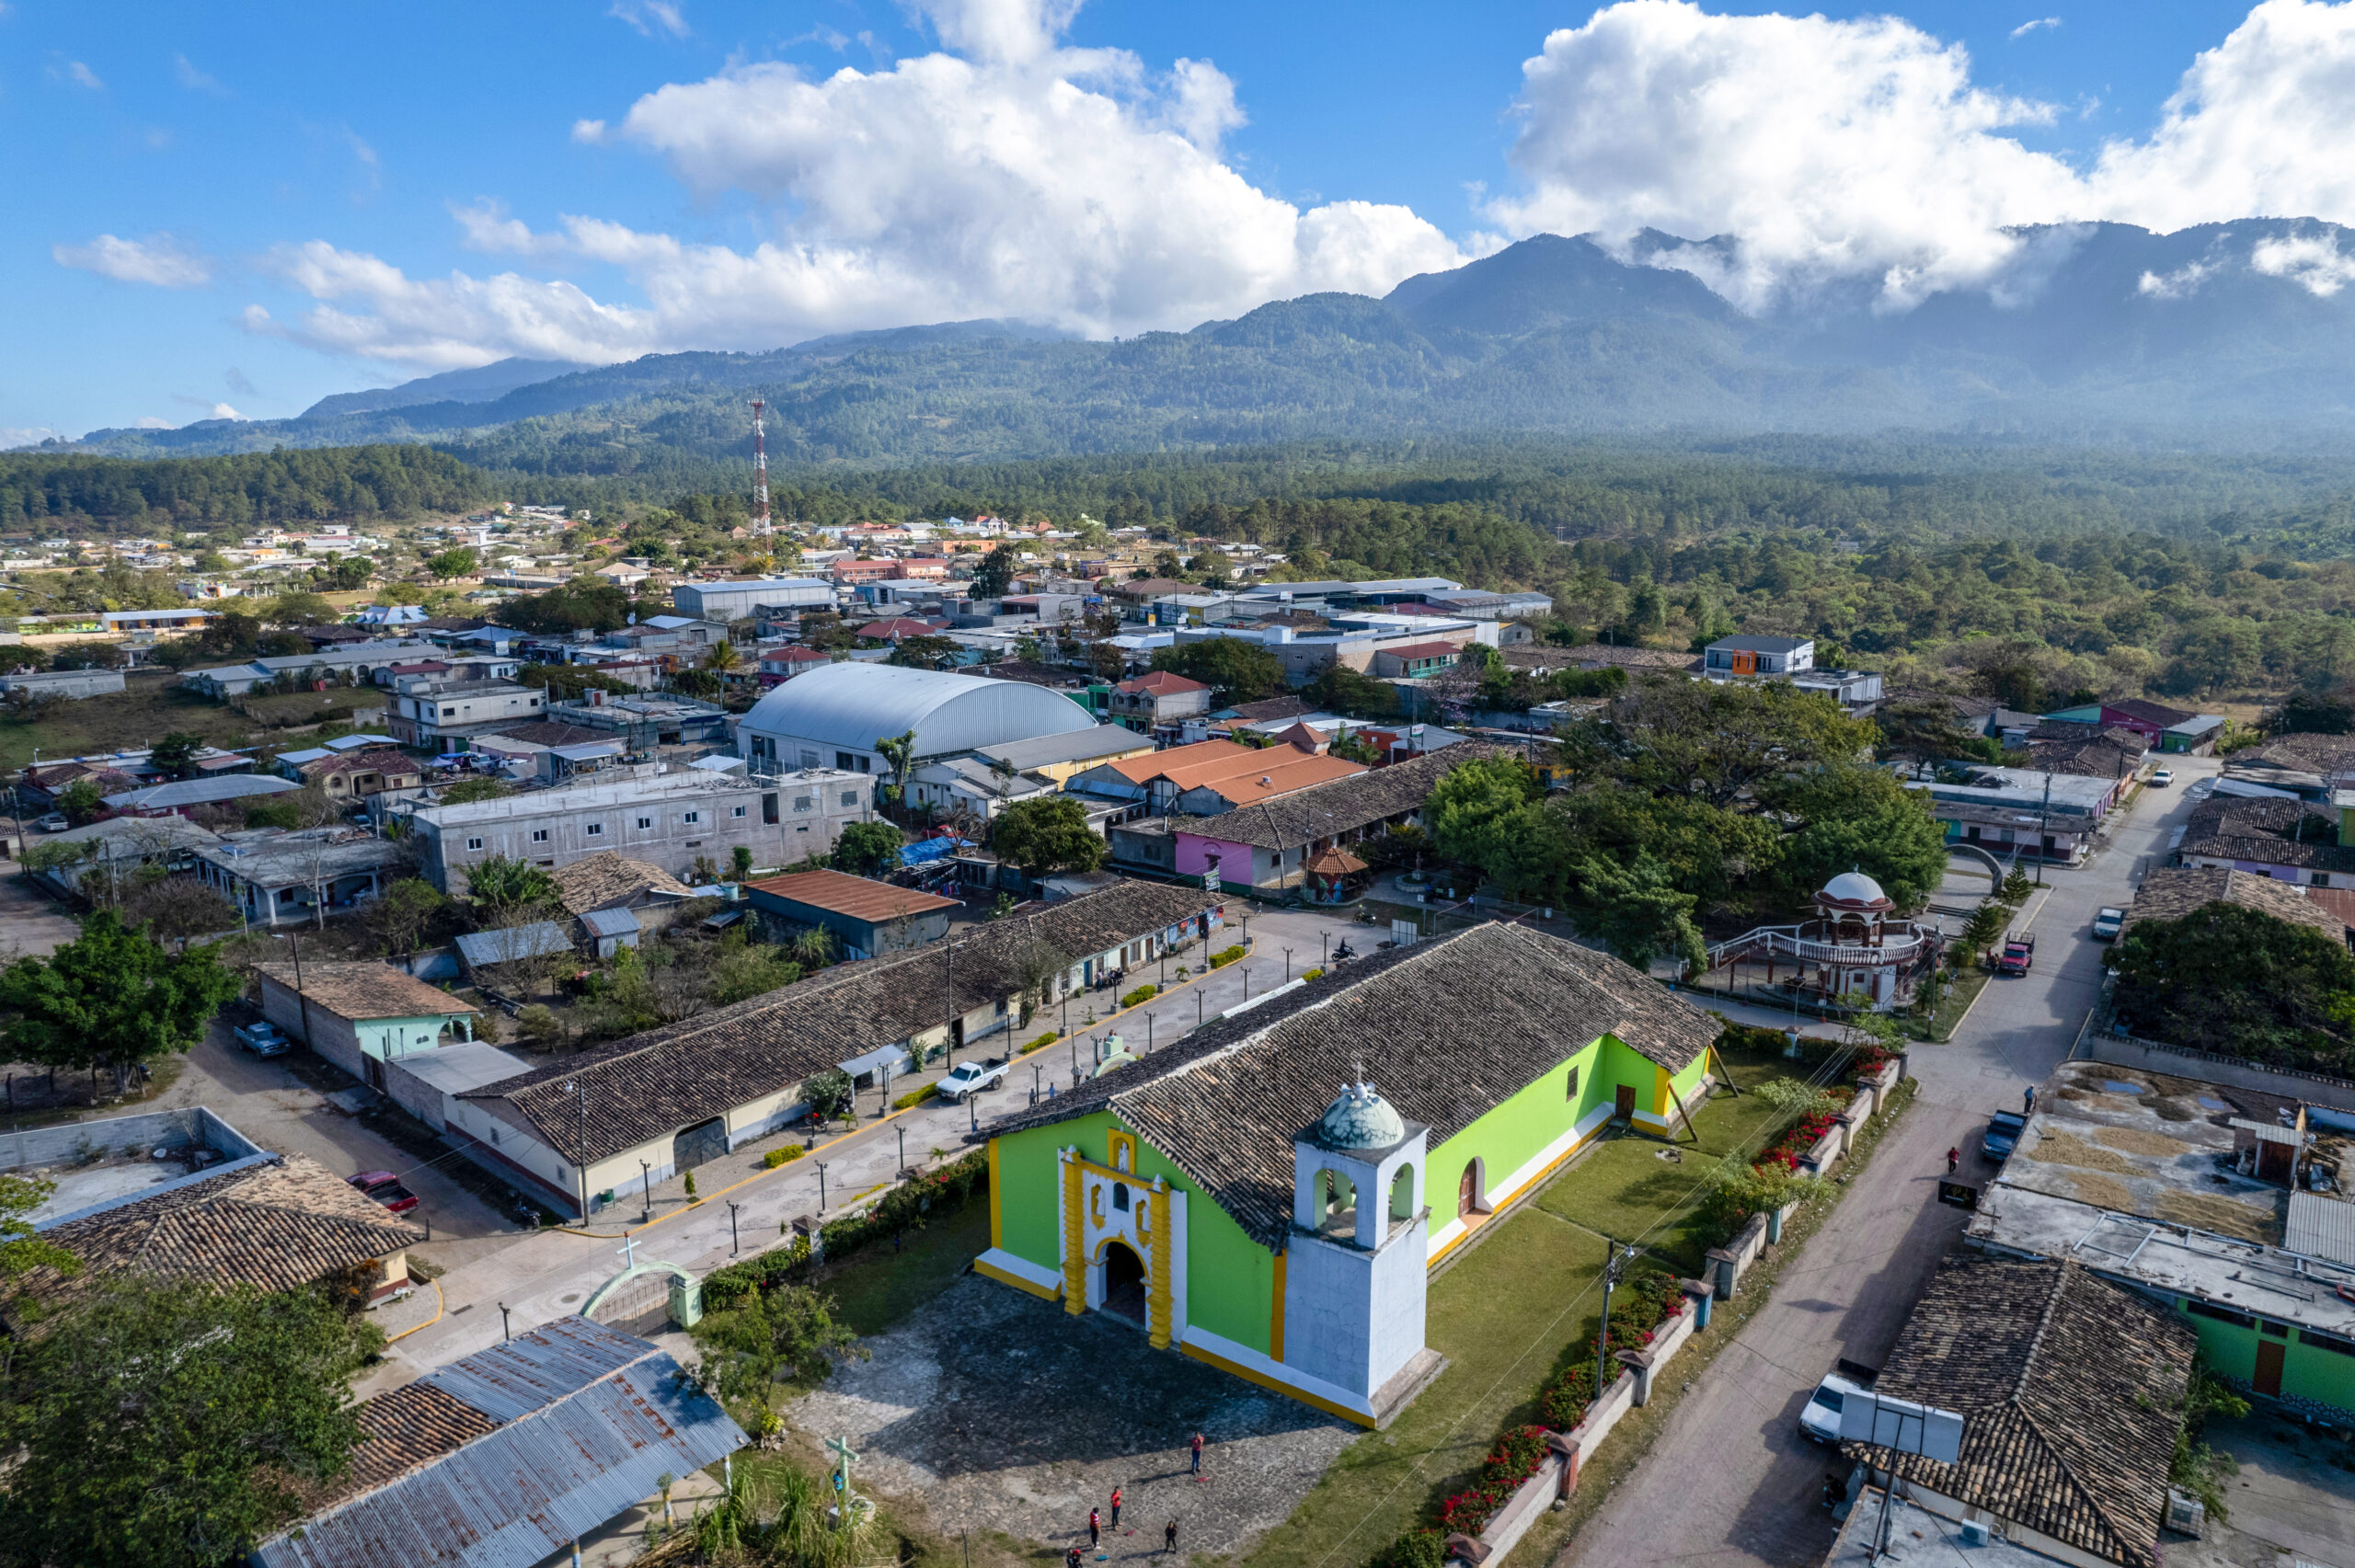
column 2293, row 1499
column 282, row 1104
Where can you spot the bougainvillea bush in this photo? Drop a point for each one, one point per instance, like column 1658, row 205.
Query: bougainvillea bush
column 1514, row 1461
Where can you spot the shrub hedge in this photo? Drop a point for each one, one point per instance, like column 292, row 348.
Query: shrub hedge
column 1220, row 959
column 1142, row 993
column 906, row 1208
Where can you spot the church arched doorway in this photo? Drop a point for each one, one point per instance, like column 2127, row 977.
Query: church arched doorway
column 1124, row 1282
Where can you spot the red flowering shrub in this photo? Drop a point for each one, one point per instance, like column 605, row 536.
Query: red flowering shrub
column 1514, row 1461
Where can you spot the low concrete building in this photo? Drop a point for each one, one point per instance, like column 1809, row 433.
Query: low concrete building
column 441, row 714
column 47, row 686
column 356, row 775
column 482, row 954
column 866, row 918
column 425, row 1083
column 610, row 880
column 360, row 1016
column 275, row 877
column 353, row 663
column 2222, row 1203
column 952, row 785
column 121, row 846
column 1061, row 758
column 735, row 599
column 1158, row 700
column 672, row 820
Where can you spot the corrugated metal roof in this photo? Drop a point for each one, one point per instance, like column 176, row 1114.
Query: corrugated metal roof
column 850, row 704
column 536, row 1369
column 590, row 1420
column 2321, row 1227
column 504, row 946
column 611, row 922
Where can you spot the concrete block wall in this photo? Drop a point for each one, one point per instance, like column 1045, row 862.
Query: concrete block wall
column 191, row 1127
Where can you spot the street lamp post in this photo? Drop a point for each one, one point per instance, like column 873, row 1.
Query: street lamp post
column 1614, row 1269
column 1287, row 965
column 903, row 1131
column 1326, row 937
column 1148, row 1034
column 732, row 1242
column 822, row 1186
column 506, row 1330
column 646, row 1185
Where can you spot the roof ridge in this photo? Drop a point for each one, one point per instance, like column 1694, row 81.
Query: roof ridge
column 2060, row 1462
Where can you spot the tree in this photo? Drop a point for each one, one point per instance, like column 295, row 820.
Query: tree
column 175, row 755
column 921, row 652
column 1670, row 735
column 174, row 1423
column 21, row 1246
column 301, row 609
column 1924, row 729
column 175, row 909
column 458, row 563
column 898, row 753
column 786, row 1331
column 404, row 911
column 1236, row 668
column 111, row 997
column 867, row 848
column 2235, row 980
column 723, row 661
column 995, row 575
column 507, row 886
column 1341, row 690
column 831, row 1093
column 1852, row 817
column 2314, row 713
column 81, row 803
column 1046, row 835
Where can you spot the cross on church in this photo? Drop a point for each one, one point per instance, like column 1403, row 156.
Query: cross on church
column 840, row 1448
column 627, row 1251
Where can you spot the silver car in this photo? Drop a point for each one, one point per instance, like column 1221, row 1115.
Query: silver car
column 264, row 1039
column 1820, row 1422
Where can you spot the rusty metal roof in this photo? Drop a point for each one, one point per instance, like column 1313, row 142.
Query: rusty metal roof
column 583, row 1420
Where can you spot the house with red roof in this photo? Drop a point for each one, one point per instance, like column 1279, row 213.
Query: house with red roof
column 1158, row 700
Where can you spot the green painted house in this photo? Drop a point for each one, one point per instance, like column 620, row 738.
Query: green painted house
column 1269, row 1194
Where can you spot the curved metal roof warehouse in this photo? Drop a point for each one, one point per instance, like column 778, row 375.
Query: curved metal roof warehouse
column 812, row 719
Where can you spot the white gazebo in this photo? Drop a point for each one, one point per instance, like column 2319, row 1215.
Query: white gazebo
column 1856, row 944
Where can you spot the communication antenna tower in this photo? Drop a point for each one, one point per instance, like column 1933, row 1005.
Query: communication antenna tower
column 761, row 523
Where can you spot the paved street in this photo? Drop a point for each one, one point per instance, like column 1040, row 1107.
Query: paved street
column 1729, row 1481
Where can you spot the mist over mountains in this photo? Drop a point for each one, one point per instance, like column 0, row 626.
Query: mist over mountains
column 2237, row 332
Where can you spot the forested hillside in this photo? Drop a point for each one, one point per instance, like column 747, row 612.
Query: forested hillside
column 44, row 491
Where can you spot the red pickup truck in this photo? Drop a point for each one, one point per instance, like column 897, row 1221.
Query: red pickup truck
column 2019, row 953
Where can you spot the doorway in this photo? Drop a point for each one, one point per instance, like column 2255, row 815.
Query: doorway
column 699, row 1145
column 1467, row 1191
column 1624, row 1108
column 2268, row 1368
column 1124, row 1282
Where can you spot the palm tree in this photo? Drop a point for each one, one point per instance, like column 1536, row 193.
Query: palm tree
column 723, row 661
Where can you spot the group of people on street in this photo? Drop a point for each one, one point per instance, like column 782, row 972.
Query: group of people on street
column 1097, row 1522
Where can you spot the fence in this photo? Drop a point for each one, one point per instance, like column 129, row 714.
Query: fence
column 1727, row 1264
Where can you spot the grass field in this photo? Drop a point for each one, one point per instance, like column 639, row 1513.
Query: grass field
column 875, row 1288
column 151, row 706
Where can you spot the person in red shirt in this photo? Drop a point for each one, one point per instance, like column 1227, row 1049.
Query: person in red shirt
column 1094, row 1527
column 1116, row 1509
column 1954, row 1158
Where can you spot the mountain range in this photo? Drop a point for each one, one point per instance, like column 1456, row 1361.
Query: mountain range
column 2238, row 330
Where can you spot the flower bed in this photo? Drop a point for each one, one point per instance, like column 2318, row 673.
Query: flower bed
column 1514, row 1461
column 1637, row 1309
column 1796, row 1139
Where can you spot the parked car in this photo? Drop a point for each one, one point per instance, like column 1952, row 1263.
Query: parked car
column 2018, row 955
column 54, row 822
column 2163, row 778
column 385, row 1188
column 1820, row 1422
column 971, row 1078
column 2107, row 922
column 264, row 1039
column 2003, row 1129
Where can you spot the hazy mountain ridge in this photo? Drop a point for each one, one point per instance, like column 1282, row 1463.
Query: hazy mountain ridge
column 2095, row 325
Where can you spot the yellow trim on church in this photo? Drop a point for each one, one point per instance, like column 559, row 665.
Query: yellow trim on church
column 989, row 1270
column 1075, row 1235
column 1287, row 1390
column 1276, row 1313
column 1160, row 1308
column 997, row 1215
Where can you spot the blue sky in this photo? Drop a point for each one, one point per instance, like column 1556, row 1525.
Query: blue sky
column 244, row 208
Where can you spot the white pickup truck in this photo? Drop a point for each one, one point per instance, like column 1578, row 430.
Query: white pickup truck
column 971, row 1078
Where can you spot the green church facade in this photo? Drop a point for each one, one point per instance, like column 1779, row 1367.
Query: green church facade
column 1295, row 1251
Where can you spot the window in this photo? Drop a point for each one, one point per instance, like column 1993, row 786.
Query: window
column 803, row 803
column 692, row 817
column 2314, row 1339
column 768, row 809
column 737, row 811
column 473, row 843
column 850, row 797
column 2278, row 1331
column 2322, row 879
column 809, row 758
column 596, row 830
column 842, row 761
column 2199, row 1309
column 863, row 765
column 645, row 822
column 1570, row 1090
column 539, row 835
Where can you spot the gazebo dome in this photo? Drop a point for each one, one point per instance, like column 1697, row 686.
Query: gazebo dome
column 1359, row 1117
column 1853, row 890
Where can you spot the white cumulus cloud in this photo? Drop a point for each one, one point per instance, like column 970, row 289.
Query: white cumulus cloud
column 1840, row 150
column 2027, row 28
column 159, row 260
column 2313, row 261
column 1007, row 175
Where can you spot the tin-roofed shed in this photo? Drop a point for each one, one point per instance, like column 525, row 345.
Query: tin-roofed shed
column 502, row 1459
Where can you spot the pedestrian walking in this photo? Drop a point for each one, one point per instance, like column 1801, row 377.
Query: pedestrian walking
column 1169, row 1537
column 2027, row 1100
column 1954, row 1158
column 1115, row 1510
column 1094, row 1527
column 1197, row 1446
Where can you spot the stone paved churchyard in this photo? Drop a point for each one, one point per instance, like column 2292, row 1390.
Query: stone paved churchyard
column 1006, row 1414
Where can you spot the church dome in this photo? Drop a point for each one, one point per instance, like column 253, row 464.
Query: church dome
column 1359, row 1117
column 1853, row 890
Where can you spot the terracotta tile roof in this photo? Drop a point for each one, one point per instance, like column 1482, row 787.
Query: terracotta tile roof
column 1423, row 650
column 611, row 878
column 653, row 1084
column 2305, row 752
column 2068, row 1388
column 399, row 1431
column 1161, row 683
column 1343, row 806
column 1289, row 771
column 1447, row 1029
column 376, row 759
column 2099, row 757
column 1233, row 771
column 278, row 1225
column 859, row 897
column 2171, row 892
column 367, row 991
column 1271, row 709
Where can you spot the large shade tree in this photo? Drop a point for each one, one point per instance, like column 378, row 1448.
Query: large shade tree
column 111, row 999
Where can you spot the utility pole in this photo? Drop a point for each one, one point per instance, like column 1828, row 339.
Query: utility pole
column 1613, row 1268
column 2043, row 830
column 732, row 1244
